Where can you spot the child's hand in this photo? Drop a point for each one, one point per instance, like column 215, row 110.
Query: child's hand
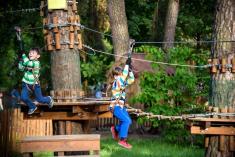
column 21, row 52
column 128, row 61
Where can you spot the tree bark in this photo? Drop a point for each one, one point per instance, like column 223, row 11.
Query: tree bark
column 154, row 23
column 65, row 57
column 119, row 28
column 65, row 62
column 170, row 23
column 223, row 91
column 65, row 70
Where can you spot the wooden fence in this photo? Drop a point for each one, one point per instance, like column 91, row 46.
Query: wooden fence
column 13, row 128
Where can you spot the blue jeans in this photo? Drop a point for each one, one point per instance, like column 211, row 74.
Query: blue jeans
column 26, row 89
column 125, row 121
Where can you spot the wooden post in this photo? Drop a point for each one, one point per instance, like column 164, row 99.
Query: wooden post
column 214, row 65
column 74, row 6
column 233, row 65
column 74, row 95
column 78, row 31
column 57, row 33
column 223, row 65
column 222, row 138
column 206, row 141
column 49, row 42
column 231, row 138
column 71, row 33
column 61, row 127
column 68, row 127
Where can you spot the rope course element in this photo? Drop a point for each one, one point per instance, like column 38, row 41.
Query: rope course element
column 184, row 42
column 140, row 113
column 51, row 26
column 23, row 10
column 143, row 60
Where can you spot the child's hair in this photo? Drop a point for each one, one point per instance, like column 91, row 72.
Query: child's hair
column 117, row 70
column 36, row 49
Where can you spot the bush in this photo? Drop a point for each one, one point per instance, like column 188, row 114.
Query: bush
column 173, row 90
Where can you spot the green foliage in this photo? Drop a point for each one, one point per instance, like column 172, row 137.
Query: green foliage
column 94, row 71
column 195, row 19
column 174, row 94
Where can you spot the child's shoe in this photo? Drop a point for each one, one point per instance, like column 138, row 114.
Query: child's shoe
column 124, row 144
column 114, row 133
column 50, row 105
column 32, row 110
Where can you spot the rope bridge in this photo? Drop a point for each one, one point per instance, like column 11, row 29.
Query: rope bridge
column 149, row 115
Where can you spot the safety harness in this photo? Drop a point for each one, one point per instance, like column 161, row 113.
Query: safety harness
column 119, row 100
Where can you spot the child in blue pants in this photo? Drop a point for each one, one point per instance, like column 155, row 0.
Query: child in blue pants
column 30, row 66
column 118, row 103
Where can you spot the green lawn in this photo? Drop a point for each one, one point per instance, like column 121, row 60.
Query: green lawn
column 148, row 148
column 143, row 147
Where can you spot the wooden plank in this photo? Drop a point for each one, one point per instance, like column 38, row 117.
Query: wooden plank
column 106, row 115
column 77, row 109
column 212, row 120
column 60, row 153
column 213, row 130
column 101, row 108
column 81, row 137
column 51, row 128
column 61, row 126
column 68, row 127
column 58, row 146
column 74, row 103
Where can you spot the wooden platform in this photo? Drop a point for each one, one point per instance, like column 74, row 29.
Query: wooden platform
column 212, row 126
column 87, row 109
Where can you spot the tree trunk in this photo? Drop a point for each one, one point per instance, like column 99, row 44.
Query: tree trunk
column 154, row 23
column 170, row 23
column 65, row 70
column 223, row 91
column 99, row 20
column 118, row 22
column 65, row 62
column 63, row 43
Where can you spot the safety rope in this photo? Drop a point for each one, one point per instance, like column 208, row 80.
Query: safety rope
column 149, row 115
column 23, row 10
column 149, row 61
column 51, row 26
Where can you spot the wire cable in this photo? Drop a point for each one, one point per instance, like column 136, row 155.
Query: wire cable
column 149, row 61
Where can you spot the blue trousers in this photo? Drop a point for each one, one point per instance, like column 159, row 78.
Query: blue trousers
column 124, row 121
column 26, row 89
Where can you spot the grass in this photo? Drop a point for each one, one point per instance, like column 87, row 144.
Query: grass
column 143, row 147
column 148, row 148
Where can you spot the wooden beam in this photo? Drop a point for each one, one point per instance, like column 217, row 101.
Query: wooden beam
column 77, row 109
column 101, row 108
column 106, row 115
column 213, row 130
column 74, row 103
column 212, row 120
column 71, row 116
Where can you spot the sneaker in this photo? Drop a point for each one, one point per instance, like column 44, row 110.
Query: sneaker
column 50, row 105
column 124, row 144
column 114, row 133
column 32, row 110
